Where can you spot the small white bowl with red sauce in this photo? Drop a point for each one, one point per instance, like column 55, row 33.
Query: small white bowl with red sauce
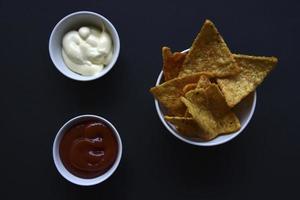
column 87, row 150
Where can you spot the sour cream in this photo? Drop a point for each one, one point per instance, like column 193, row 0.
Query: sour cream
column 87, row 50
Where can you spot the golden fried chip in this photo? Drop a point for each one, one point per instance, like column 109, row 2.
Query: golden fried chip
column 253, row 71
column 188, row 87
column 209, row 53
column 185, row 125
column 187, row 114
column 168, row 93
column 172, row 63
column 211, row 112
column 203, row 82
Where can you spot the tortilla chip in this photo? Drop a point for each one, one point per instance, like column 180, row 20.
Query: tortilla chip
column 211, row 112
column 187, row 114
column 172, row 63
column 253, row 71
column 188, row 87
column 203, row 82
column 168, row 93
column 185, row 125
column 209, row 53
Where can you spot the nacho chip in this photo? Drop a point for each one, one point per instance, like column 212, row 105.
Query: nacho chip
column 168, row 93
column 187, row 114
column 185, row 125
column 211, row 112
column 172, row 63
column 253, row 71
column 188, row 87
column 209, row 53
column 203, row 82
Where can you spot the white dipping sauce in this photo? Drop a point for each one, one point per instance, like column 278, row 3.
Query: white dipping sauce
column 87, row 50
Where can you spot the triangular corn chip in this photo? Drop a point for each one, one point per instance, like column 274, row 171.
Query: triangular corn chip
column 189, row 87
column 209, row 109
column 169, row 93
column 187, row 114
column 253, row 71
column 185, row 125
column 209, row 53
column 203, row 82
column 172, row 63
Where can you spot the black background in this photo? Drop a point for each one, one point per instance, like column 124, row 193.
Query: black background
column 36, row 100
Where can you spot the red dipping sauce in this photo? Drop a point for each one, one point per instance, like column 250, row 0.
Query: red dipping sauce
column 88, row 149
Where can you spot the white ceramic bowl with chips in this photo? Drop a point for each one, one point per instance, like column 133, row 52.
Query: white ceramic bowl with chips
column 244, row 111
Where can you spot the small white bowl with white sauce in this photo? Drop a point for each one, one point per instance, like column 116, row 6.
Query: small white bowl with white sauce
column 84, row 46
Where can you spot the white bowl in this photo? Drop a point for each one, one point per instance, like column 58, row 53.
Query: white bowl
column 60, row 166
column 73, row 22
column 244, row 111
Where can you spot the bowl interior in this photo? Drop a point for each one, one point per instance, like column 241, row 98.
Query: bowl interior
column 74, row 22
column 56, row 156
column 244, row 111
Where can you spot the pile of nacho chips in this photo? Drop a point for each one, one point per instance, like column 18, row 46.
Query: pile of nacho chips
column 202, row 86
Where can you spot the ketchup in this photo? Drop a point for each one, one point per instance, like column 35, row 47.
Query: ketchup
column 88, row 149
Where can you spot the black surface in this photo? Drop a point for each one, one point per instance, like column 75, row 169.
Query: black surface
column 263, row 162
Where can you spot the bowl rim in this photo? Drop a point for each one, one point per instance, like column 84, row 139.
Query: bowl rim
column 201, row 143
column 62, row 169
column 115, row 54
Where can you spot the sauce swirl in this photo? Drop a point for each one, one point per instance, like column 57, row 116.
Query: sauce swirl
column 88, row 149
column 88, row 50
